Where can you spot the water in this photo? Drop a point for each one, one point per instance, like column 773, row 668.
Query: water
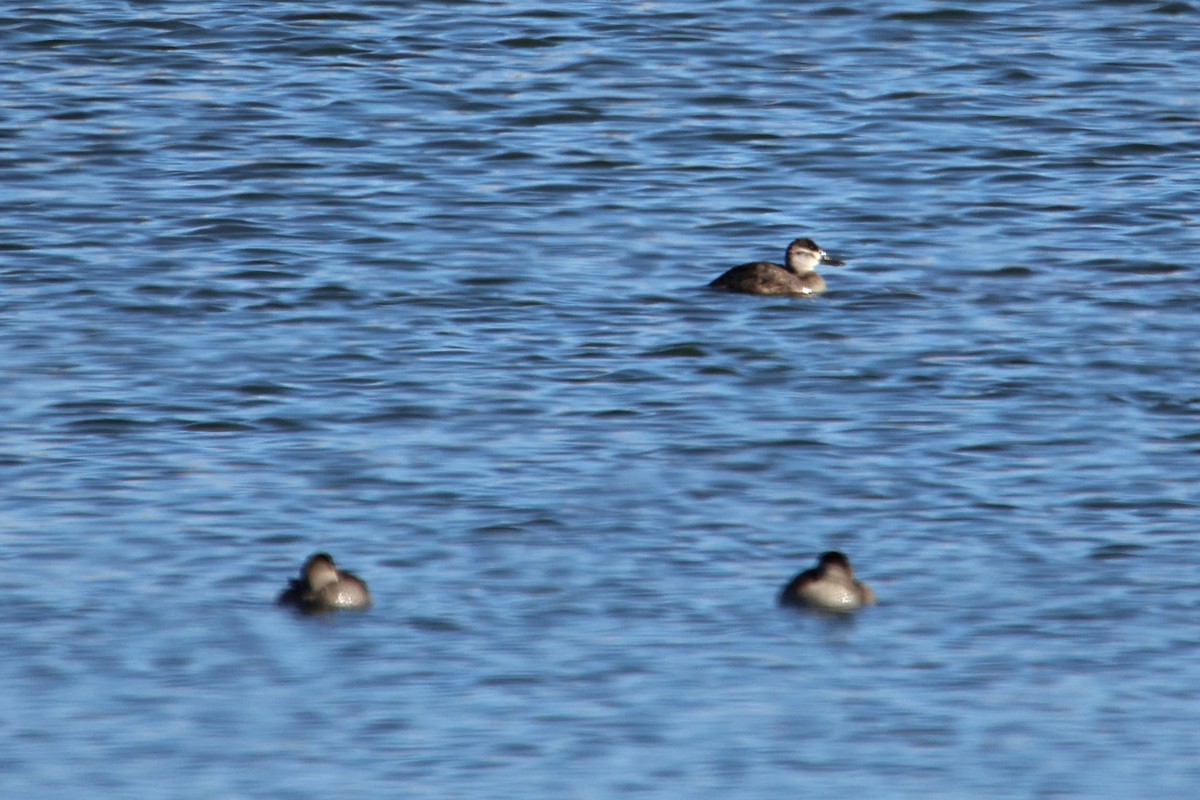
column 421, row 286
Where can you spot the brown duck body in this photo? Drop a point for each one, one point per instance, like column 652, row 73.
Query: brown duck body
column 323, row 587
column 830, row 586
column 765, row 277
column 797, row 277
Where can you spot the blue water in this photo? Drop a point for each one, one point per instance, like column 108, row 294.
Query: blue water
column 422, row 286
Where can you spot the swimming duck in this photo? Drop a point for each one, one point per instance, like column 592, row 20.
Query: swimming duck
column 830, row 586
column 323, row 587
column 798, row 277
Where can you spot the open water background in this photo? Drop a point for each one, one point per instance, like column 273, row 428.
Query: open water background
column 420, row 285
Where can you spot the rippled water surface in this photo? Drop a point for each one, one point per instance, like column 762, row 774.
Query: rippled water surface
column 422, row 285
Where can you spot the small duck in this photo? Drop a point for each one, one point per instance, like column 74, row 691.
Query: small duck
column 799, row 277
column 323, row 587
column 829, row 586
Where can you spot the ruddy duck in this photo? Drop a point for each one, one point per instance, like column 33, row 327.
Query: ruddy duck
column 830, row 586
column 323, row 587
column 765, row 277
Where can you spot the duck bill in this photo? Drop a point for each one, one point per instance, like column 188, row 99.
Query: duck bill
column 831, row 261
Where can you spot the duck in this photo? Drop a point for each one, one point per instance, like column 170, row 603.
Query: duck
column 323, row 587
column 798, row 277
column 829, row 586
